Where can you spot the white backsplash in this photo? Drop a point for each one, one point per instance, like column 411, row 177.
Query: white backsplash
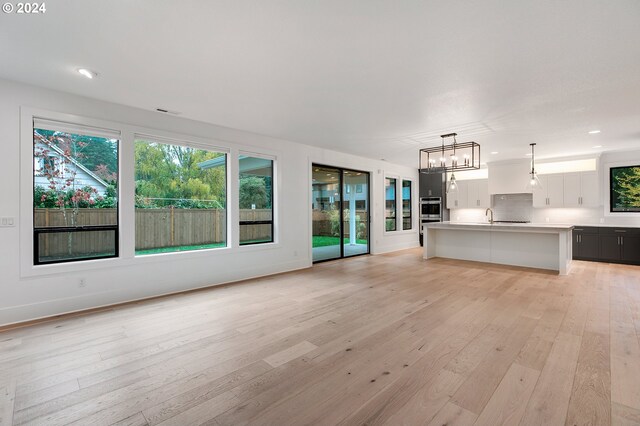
column 512, row 207
column 504, row 210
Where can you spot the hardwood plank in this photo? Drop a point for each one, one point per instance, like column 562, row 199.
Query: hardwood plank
column 453, row 415
column 508, row 402
column 550, row 399
column 7, row 400
column 476, row 391
column 591, row 395
column 288, row 354
column 25, row 400
column 135, row 420
column 621, row 415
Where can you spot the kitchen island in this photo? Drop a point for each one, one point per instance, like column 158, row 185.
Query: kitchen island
column 543, row 246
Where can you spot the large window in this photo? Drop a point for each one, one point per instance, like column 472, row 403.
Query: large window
column 624, row 189
column 180, row 199
column 406, row 204
column 390, row 204
column 75, row 192
column 256, row 200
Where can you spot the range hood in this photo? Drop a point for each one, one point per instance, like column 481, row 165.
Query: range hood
column 509, row 177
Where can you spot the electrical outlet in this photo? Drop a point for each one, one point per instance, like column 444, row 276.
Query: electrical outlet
column 82, row 283
column 546, row 219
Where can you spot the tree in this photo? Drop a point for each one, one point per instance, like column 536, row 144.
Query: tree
column 626, row 187
column 253, row 192
column 171, row 175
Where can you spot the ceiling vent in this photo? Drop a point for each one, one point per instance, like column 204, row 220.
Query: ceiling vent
column 167, row 111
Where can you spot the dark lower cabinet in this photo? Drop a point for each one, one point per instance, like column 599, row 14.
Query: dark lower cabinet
column 630, row 249
column 585, row 243
column 610, row 249
column 606, row 244
column 620, row 245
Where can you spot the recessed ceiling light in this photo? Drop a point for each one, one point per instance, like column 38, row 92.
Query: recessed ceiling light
column 596, row 146
column 87, row 73
column 594, row 132
column 494, row 152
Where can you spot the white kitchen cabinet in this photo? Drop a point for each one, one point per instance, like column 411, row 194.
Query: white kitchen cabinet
column 478, row 193
column 581, row 189
column 471, row 194
column 552, row 192
column 458, row 199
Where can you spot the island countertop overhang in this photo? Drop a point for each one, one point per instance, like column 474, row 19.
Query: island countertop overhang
column 503, row 227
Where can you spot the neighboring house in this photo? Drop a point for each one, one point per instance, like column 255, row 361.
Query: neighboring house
column 325, row 196
column 81, row 175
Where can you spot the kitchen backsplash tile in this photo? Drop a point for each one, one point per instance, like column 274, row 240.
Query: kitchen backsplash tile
column 512, row 207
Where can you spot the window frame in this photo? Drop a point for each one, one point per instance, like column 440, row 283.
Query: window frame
column 395, row 200
column 274, row 203
column 410, row 200
column 152, row 137
column 37, row 231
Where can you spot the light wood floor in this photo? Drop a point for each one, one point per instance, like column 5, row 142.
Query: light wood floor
column 390, row 339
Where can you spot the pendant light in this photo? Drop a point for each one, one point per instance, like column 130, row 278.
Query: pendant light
column 452, row 187
column 534, row 183
column 452, row 157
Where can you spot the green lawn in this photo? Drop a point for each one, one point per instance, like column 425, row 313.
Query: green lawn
column 318, row 241
column 178, row 248
column 322, row 241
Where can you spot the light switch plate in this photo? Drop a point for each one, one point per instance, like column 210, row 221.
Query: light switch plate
column 7, row 222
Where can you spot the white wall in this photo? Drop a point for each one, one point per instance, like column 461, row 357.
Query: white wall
column 33, row 292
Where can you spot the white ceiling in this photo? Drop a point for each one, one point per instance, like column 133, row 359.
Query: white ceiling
column 378, row 78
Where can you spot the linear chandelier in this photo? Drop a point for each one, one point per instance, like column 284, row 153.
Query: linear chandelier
column 452, row 157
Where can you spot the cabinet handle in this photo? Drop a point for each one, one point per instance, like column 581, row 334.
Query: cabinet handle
column 618, row 240
column 620, row 230
column 621, row 241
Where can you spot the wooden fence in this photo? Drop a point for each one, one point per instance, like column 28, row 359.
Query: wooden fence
column 155, row 228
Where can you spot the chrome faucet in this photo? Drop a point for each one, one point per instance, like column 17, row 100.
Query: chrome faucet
column 486, row 212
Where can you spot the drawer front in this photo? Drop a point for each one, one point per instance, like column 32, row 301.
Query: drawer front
column 586, row 229
column 609, row 230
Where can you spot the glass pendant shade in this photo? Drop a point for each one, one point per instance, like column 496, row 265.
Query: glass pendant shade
column 452, row 187
column 534, row 183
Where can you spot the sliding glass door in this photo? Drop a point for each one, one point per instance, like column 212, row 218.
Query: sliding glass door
column 340, row 202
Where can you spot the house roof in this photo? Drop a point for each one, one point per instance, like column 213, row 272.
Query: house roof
column 73, row 160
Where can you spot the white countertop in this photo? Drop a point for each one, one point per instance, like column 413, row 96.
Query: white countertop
column 485, row 226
